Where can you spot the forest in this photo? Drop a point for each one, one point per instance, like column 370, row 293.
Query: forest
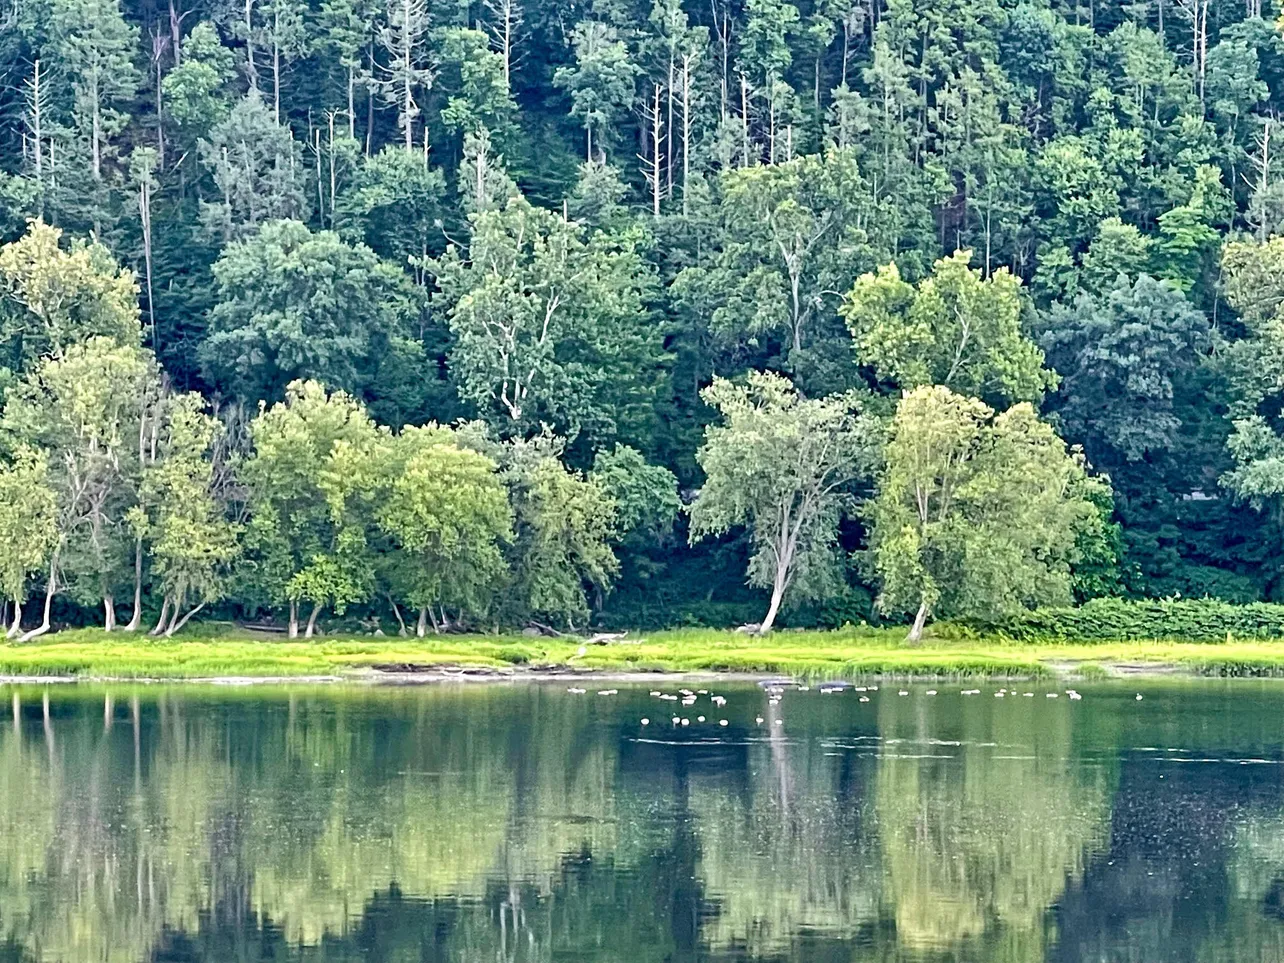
column 441, row 314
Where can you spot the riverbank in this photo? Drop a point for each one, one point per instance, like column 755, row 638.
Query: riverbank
column 231, row 656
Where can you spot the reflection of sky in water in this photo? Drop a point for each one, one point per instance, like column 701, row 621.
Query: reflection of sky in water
column 511, row 823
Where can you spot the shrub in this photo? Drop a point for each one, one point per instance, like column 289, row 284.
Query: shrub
column 1113, row 619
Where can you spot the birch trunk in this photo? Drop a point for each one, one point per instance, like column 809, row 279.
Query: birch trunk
column 161, row 622
column 51, row 589
column 179, row 623
column 136, row 617
column 401, row 623
column 916, row 630
column 777, row 596
column 312, row 621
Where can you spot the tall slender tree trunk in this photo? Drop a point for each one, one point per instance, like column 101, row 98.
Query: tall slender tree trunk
column 145, row 216
column 352, row 101
column 163, row 621
column 668, row 144
column 916, row 630
column 250, row 69
column 136, row 617
column 421, row 627
column 109, row 613
column 96, row 121
column 312, row 621
column 15, row 627
column 293, row 631
column 51, row 589
column 396, row 611
column 36, row 110
column 370, row 103
column 160, row 119
column 686, row 129
column 178, row 623
column 276, row 66
column 408, row 99
column 777, row 596
column 656, row 136
column 333, row 174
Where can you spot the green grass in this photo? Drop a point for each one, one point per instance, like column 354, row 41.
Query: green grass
column 212, row 651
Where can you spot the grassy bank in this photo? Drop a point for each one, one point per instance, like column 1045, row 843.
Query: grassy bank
column 221, row 653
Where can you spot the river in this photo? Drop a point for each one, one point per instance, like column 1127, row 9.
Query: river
column 491, row 822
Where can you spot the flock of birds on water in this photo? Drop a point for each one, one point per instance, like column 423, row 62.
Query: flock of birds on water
column 776, row 688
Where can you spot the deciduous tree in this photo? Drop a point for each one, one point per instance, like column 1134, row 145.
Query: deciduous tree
column 953, row 328
column 782, row 465
column 975, row 511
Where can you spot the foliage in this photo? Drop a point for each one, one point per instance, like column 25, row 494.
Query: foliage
column 645, row 496
column 51, row 298
column 706, row 190
column 309, row 478
column 564, row 525
column 294, row 304
column 28, row 520
column 447, row 513
column 975, row 511
column 550, row 324
column 192, row 544
column 954, row 329
column 1189, row 620
column 1118, row 357
column 781, row 465
column 85, row 409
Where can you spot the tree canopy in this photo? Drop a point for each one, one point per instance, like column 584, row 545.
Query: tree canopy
column 567, row 223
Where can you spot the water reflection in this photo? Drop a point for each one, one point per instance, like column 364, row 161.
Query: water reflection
column 529, row 824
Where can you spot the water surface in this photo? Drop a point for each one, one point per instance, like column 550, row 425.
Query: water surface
column 528, row 823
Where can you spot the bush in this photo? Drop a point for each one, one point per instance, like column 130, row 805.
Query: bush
column 1112, row 619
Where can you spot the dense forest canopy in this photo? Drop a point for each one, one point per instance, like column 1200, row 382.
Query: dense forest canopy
column 283, row 280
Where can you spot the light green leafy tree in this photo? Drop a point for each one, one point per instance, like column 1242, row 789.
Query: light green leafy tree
column 976, row 512
column 782, row 465
column 28, row 525
column 192, row 542
column 954, row 328
column 51, row 297
column 790, row 238
column 86, row 408
column 476, row 86
column 310, row 480
column 195, row 90
column 565, row 526
column 1254, row 277
column 445, row 511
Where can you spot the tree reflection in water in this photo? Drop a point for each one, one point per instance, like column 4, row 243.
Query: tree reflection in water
column 529, row 825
